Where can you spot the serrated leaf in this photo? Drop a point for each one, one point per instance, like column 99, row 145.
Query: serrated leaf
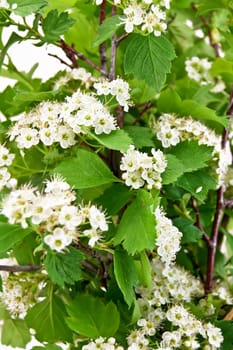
column 192, row 155
column 190, row 232
column 22, row 96
column 64, row 268
column 141, row 136
column 117, row 140
column 14, row 38
column 10, row 235
column 137, row 226
column 86, row 170
column 54, row 25
column 90, row 317
column 149, row 58
column 198, row 183
column 107, row 29
column 173, row 171
column 15, row 333
column 125, row 273
column 47, row 318
column 26, row 7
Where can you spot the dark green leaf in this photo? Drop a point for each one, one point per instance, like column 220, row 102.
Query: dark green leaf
column 26, row 7
column 54, row 25
column 190, row 232
column 90, row 317
column 141, row 136
column 86, row 170
column 227, row 332
column 149, row 58
column 48, row 319
column 107, row 29
column 10, row 235
column 15, row 333
column 137, row 226
column 125, row 274
column 64, row 268
column 117, row 140
column 173, row 170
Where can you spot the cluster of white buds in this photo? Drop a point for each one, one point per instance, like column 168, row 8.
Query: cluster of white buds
column 117, row 88
column 141, row 169
column 19, row 292
column 81, row 74
column 102, row 344
column 52, row 212
column 171, row 130
column 168, row 238
column 6, row 159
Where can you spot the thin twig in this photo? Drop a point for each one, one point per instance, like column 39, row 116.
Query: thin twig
column 121, row 38
column 102, row 47
column 15, row 268
column 112, row 72
column 61, row 60
column 147, row 106
column 198, row 221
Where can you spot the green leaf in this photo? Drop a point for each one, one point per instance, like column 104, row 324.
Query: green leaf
column 221, row 65
column 192, row 155
column 47, row 347
column 64, row 268
column 90, row 317
column 141, row 136
column 114, row 198
column 173, row 170
column 198, row 183
column 227, row 332
column 149, row 58
column 190, row 232
column 117, row 140
column 209, row 5
column 14, row 38
column 86, row 170
column 47, row 318
column 15, row 333
column 10, row 235
column 26, row 7
column 22, row 96
column 54, row 25
column 107, row 29
column 137, row 226
column 125, row 274
column 143, row 268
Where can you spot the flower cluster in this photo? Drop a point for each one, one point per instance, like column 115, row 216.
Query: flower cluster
column 117, row 88
column 168, row 238
column 102, row 344
column 20, row 292
column 198, row 69
column 141, row 169
column 53, row 213
column 86, row 78
column 161, row 308
column 171, row 130
column 6, row 159
column 149, row 16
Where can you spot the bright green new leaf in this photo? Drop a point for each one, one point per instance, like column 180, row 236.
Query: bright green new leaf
column 48, row 319
column 54, row 25
column 107, row 29
column 15, row 333
column 192, row 155
column 137, row 226
column 27, row 7
column 90, row 317
column 64, row 267
column 173, row 171
column 198, row 183
column 10, row 235
column 143, row 268
column 209, row 5
column 221, row 65
column 117, row 140
column 190, row 232
column 86, row 170
column 141, row 136
column 149, row 58
column 22, row 96
column 47, row 347
column 125, row 274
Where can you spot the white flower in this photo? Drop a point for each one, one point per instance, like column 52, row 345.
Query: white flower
column 198, row 69
column 6, row 158
column 4, row 4
column 27, row 138
column 59, row 240
column 214, row 335
column 69, row 217
column 97, row 219
column 94, row 236
column 4, row 177
column 65, row 136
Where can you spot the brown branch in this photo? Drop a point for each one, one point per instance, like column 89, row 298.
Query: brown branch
column 198, row 221
column 15, row 268
column 61, row 60
column 147, row 106
column 228, row 203
column 112, row 72
column 102, row 47
column 121, row 38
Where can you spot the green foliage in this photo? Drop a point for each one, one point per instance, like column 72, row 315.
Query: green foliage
column 114, row 198
column 125, row 274
column 118, row 140
column 226, row 327
column 65, row 267
column 137, row 225
column 85, row 170
column 90, row 317
column 10, row 235
column 47, row 347
column 141, row 136
column 54, row 25
column 190, row 232
column 14, row 38
column 107, row 29
column 149, row 58
column 48, row 319
column 27, row 7
column 15, row 333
